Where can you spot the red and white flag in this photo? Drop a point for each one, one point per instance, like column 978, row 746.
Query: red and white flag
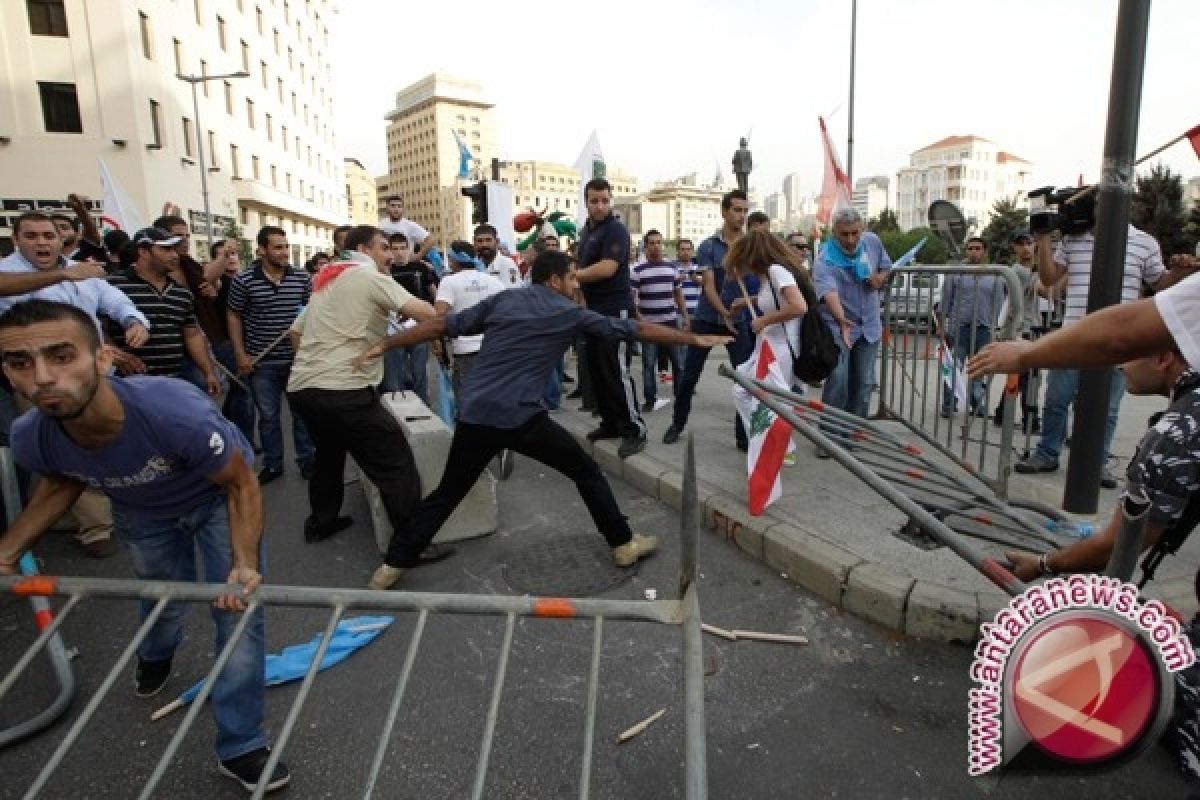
column 835, row 187
column 770, row 437
column 1194, row 137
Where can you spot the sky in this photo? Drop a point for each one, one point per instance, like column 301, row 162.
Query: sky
column 671, row 86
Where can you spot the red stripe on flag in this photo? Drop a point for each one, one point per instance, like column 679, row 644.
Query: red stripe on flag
column 1194, row 137
column 766, row 357
column 766, row 469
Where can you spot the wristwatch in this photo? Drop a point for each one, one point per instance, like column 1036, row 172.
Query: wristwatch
column 1044, row 565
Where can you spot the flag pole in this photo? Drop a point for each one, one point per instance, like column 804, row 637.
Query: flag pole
column 850, row 114
column 1095, row 187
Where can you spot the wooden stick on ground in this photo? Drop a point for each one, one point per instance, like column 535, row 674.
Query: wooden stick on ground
column 782, row 638
column 715, row 631
column 628, row 734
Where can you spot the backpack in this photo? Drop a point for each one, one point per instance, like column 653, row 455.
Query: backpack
column 819, row 352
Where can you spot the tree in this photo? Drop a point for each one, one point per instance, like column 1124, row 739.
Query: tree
column 886, row 221
column 234, row 233
column 1158, row 209
column 898, row 242
column 1007, row 219
column 1191, row 231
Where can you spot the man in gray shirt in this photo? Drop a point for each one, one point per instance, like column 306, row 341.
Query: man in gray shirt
column 526, row 331
column 970, row 305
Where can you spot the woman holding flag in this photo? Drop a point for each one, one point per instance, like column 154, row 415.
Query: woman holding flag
column 776, row 313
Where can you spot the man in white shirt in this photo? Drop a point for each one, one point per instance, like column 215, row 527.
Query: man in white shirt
column 495, row 263
column 465, row 287
column 1073, row 258
column 395, row 222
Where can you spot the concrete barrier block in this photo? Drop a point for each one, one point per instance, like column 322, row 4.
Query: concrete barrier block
column 817, row 565
column 670, row 490
column 877, row 593
column 429, row 439
column 991, row 600
column 729, row 518
column 642, row 472
column 605, row 453
column 942, row 613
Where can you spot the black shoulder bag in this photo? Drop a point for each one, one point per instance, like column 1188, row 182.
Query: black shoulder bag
column 819, row 353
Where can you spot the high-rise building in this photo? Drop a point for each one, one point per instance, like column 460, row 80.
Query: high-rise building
column 969, row 171
column 431, row 118
column 360, row 194
column 871, row 195
column 791, row 195
column 693, row 212
column 775, row 207
column 88, row 80
column 544, row 185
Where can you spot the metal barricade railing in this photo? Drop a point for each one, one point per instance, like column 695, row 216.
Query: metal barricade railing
column 683, row 611
column 911, row 381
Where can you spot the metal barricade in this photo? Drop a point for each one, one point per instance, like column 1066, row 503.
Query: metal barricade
column 915, row 355
column 683, row 611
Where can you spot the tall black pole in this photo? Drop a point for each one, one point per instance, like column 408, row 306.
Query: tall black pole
column 1108, row 257
column 850, row 121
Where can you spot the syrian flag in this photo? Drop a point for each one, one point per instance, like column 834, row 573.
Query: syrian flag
column 770, row 436
column 952, row 375
column 835, row 187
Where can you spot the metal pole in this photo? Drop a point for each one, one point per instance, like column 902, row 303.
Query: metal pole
column 193, row 80
column 850, row 116
column 1108, row 258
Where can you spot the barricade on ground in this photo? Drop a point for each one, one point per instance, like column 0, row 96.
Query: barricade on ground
column 683, row 611
column 429, row 439
column 921, row 382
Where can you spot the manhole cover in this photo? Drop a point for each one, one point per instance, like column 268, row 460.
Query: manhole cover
column 564, row 566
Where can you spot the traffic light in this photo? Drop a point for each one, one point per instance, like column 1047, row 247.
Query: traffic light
column 478, row 196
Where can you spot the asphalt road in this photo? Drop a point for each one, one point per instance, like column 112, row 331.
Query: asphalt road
column 858, row 713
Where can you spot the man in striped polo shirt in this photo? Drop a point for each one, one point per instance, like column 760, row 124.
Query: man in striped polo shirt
column 658, row 298
column 1073, row 258
column 690, row 278
column 170, row 309
column 263, row 303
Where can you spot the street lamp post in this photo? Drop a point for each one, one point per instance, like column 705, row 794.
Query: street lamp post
column 193, row 80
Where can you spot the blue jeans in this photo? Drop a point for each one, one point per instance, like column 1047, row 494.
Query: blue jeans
column 962, row 351
column 1061, row 388
column 239, row 404
column 693, row 365
column 405, row 370
column 650, row 351
column 165, row 550
column 849, row 385
column 269, row 381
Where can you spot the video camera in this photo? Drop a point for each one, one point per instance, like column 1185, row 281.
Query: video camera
column 1053, row 209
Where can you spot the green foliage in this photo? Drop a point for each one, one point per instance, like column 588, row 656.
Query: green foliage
column 1191, row 230
column 245, row 251
column 1158, row 209
column 884, row 223
column 898, row 242
column 1007, row 219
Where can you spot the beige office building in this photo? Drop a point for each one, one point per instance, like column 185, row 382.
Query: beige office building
column 97, row 80
column 693, row 212
column 360, row 194
column 969, row 171
column 423, row 154
column 545, row 185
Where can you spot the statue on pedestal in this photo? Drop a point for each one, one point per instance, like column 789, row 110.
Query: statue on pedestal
column 742, row 164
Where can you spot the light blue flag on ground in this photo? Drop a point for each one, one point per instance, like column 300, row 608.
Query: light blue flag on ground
column 293, row 662
column 907, row 258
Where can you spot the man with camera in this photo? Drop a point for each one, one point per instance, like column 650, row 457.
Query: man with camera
column 1072, row 257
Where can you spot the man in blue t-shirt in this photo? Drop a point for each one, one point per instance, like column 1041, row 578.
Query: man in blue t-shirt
column 178, row 475
column 526, row 331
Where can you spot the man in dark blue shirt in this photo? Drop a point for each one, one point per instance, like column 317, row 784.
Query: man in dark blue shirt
column 526, row 331
column 178, row 475
column 719, row 311
column 604, row 276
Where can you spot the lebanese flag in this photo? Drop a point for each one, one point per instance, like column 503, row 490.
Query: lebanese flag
column 1194, row 137
column 770, row 436
column 835, row 187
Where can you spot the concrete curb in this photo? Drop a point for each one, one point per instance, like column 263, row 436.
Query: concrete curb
column 875, row 591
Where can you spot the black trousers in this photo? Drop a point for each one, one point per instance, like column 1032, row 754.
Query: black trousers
column 613, row 385
column 473, row 446
column 355, row 422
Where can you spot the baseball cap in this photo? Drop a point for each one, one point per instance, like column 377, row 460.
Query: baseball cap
column 153, row 236
column 1022, row 236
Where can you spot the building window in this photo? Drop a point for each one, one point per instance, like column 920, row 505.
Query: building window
column 245, row 56
column 199, row 12
column 212, row 150
column 188, row 148
column 255, row 167
column 233, row 161
column 60, row 107
column 270, row 129
column 47, row 17
column 275, row 35
column 274, row 175
column 258, row 19
column 262, row 67
column 250, row 113
column 221, row 40
column 283, row 135
column 156, row 124
column 288, row 181
column 229, row 98
column 204, row 74
column 291, row 64
column 147, row 48
column 279, row 89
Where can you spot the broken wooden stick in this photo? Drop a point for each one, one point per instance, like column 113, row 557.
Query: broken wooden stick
column 715, row 631
column 782, row 638
column 628, row 734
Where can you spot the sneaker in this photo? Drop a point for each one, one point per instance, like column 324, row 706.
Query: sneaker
column 385, row 577
column 248, row 769
column 308, row 469
column 1107, row 479
column 671, row 436
column 638, row 547
column 596, row 434
column 268, row 474
column 1036, row 463
column 319, row 533
column 649, row 406
column 631, row 445
column 101, row 548
column 151, row 677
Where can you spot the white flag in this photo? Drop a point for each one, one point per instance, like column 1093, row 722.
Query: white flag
column 117, row 207
column 590, row 164
column 952, row 375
